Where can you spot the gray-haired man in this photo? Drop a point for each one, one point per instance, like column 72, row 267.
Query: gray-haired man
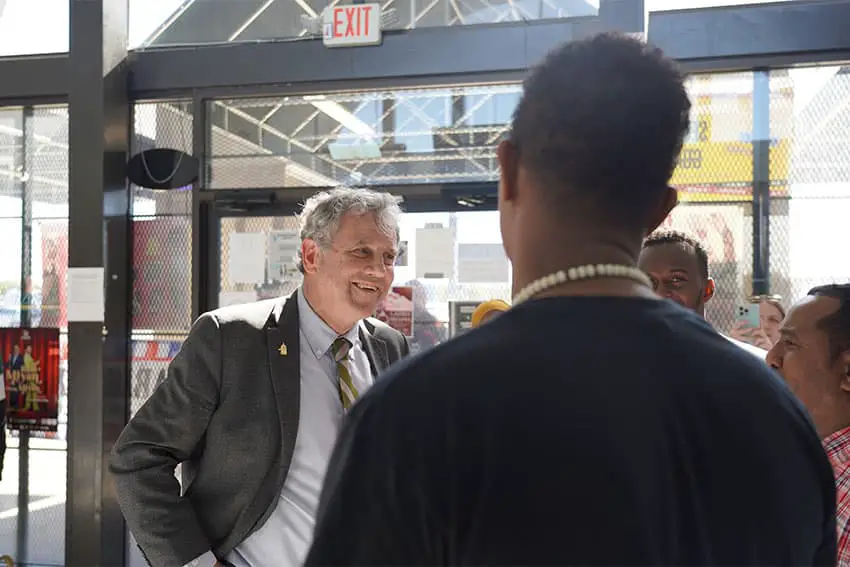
column 253, row 401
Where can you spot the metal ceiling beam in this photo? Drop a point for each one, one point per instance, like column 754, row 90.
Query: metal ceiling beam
column 737, row 38
column 722, row 38
column 26, row 80
column 425, row 52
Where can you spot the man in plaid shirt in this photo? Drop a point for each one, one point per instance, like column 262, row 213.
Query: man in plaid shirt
column 813, row 355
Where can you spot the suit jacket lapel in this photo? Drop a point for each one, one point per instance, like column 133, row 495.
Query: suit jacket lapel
column 283, row 348
column 376, row 351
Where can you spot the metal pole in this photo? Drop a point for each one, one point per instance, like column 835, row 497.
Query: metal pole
column 761, row 181
column 26, row 321
column 99, row 238
column 200, row 219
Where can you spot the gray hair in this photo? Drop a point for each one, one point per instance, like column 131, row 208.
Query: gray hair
column 319, row 219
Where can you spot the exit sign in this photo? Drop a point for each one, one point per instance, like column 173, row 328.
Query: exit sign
column 352, row 25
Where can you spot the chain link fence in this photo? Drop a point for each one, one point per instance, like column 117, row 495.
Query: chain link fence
column 34, row 230
column 808, row 236
column 714, row 178
column 162, row 252
column 162, row 261
column 382, row 138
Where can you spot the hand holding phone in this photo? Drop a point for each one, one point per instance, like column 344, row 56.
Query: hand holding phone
column 747, row 327
column 748, row 315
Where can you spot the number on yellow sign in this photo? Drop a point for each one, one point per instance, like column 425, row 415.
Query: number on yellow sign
column 690, row 158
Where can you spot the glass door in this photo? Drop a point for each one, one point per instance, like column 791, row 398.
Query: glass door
column 447, row 259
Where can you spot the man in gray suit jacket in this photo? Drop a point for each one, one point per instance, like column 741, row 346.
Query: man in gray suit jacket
column 253, row 401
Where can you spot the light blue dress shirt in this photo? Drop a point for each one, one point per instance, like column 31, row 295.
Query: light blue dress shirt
column 285, row 538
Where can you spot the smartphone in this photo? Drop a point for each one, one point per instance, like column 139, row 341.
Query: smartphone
column 749, row 315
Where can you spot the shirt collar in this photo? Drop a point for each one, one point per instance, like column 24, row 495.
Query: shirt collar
column 837, row 446
column 319, row 335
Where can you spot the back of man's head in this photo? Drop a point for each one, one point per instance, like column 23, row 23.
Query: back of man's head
column 599, row 128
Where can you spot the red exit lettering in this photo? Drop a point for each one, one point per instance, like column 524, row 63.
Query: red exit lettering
column 351, row 21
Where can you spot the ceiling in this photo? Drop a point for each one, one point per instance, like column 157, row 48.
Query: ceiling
column 217, row 21
column 374, row 138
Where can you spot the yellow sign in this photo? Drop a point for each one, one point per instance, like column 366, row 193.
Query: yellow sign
column 716, row 162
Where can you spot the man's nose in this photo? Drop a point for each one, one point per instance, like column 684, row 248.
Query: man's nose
column 665, row 291
column 773, row 359
column 378, row 266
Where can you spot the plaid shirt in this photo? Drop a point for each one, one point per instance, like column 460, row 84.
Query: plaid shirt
column 837, row 448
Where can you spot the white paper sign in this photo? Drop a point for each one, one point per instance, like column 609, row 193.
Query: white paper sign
column 246, row 258
column 482, row 263
column 85, row 295
column 283, row 248
column 435, row 252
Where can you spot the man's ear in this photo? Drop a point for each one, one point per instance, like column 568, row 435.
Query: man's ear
column 309, row 255
column 508, row 157
column 844, row 360
column 671, row 199
column 709, row 290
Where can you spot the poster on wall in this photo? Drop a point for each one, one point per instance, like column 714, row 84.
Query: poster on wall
column 30, row 360
column 283, row 249
column 396, row 310
column 54, row 266
column 460, row 316
column 162, row 260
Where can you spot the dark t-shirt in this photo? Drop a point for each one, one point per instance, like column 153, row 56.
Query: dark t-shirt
column 579, row 431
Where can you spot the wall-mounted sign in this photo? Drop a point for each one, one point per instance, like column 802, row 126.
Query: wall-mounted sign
column 352, row 25
column 29, row 365
column 716, row 161
column 460, row 316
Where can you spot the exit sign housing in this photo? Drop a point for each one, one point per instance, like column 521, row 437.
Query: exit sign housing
column 352, row 25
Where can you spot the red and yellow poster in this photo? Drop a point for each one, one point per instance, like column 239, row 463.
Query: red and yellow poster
column 396, row 310
column 30, row 360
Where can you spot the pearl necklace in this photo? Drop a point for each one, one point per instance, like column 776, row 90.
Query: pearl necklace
column 579, row 273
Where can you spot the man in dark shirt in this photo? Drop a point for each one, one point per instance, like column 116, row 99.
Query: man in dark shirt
column 592, row 424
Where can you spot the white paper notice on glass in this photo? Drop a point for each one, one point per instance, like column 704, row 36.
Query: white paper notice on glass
column 283, row 249
column 85, row 295
column 435, row 252
column 482, row 263
column 246, row 258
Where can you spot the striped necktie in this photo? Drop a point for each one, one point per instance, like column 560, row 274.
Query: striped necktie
column 347, row 392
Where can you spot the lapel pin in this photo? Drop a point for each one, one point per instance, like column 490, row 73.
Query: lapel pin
column 282, row 350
